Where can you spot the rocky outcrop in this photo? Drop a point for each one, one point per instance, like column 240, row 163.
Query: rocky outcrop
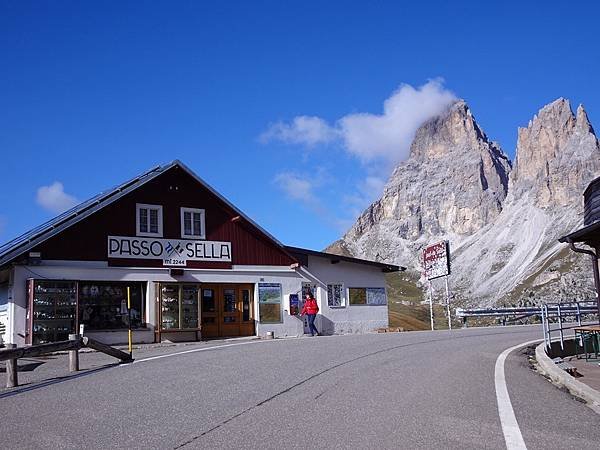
column 502, row 225
column 454, row 181
column 557, row 155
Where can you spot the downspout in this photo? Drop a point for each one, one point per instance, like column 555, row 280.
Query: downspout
column 594, row 268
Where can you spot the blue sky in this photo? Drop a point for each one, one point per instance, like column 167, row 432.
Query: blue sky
column 92, row 93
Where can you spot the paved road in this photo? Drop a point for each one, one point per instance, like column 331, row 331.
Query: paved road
column 407, row 390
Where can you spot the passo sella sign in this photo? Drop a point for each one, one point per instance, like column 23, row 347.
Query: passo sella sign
column 173, row 252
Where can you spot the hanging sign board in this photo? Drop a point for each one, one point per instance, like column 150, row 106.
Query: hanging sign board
column 173, row 252
column 436, row 260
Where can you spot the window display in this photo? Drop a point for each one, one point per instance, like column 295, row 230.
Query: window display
column 179, row 306
column 367, row 296
column 358, row 296
column 103, row 305
column 169, row 296
column 54, row 311
column 335, row 295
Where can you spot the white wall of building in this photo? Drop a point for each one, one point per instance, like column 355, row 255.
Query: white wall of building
column 347, row 319
column 350, row 318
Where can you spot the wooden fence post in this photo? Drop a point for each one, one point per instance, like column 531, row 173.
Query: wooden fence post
column 12, row 377
column 73, row 355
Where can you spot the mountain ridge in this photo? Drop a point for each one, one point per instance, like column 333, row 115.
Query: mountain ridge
column 502, row 219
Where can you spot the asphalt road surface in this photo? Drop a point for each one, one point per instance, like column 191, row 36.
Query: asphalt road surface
column 398, row 390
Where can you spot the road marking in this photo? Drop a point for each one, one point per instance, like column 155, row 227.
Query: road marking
column 195, row 350
column 510, row 427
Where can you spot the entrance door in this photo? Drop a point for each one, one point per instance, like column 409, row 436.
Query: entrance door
column 227, row 310
column 210, row 310
column 306, row 289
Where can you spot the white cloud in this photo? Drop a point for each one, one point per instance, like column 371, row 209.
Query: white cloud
column 378, row 141
column 54, row 198
column 368, row 136
column 296, row 187
column 305, row 130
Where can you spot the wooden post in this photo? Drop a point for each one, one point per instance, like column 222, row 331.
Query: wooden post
column 12, row 378
column 74, row 355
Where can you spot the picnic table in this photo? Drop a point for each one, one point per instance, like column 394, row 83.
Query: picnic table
column 587, row 337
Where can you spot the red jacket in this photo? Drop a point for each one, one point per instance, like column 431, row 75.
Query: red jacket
column 310, row 307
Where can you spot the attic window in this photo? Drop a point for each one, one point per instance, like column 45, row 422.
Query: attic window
column 192, row 223
column 149, row 220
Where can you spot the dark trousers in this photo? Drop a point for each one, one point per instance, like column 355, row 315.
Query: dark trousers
column 311, row 324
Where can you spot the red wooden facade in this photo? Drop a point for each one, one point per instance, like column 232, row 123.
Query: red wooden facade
column 173, row 189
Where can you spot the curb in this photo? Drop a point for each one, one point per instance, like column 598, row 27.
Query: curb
column 547, row 367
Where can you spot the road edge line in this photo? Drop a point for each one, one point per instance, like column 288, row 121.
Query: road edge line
column 510, row 427
column 196, row 350
column 547, row 367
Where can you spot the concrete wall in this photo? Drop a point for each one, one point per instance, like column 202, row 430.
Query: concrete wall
column 349, row 318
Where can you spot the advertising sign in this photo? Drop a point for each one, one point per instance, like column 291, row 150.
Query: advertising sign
column 436, row 260
column 269, row 292
column 173, row 252
column 294, row 305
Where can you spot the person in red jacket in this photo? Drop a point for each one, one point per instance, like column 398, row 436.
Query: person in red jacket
column 311, row 309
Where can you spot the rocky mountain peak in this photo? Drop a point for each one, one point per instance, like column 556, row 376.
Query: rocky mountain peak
column 456, row 129
column 554, row 154
column 453, row 183
column 583, row 122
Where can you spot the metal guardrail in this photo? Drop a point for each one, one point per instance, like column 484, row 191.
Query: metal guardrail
column 12, row 353
column 583, row 308
column 559, row 313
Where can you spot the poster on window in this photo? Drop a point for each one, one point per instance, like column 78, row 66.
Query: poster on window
column 269, row 293
column 376, row 296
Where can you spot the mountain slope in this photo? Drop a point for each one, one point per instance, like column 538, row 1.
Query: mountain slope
column 502, row 224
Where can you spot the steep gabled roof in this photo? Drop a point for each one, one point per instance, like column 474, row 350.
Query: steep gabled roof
column 22, row 244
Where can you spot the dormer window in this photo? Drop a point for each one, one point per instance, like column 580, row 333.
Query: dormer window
column 149, row 220
column 192, row 223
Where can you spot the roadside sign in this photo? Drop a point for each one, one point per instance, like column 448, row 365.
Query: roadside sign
column 436, row 260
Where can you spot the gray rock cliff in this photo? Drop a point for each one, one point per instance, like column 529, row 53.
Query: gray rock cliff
column 502, row 224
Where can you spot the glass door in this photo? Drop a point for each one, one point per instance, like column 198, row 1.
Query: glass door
column 246, row 296
column 189, row 306
column 210, row 311
column 231, row 312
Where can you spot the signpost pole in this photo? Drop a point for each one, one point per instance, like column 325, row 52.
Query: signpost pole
column 129, row 313
column 448, row 303
column 431, row 305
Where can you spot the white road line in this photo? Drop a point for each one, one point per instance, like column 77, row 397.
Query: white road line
column 510, row 427
column 195, row 350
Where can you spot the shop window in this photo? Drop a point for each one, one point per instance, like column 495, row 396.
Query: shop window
column 53, row 310
column 269, row 302
column 367, row 296
column 179, row 306
column 335, row 295
column 149, row 220
column 192, row 223
column 103, row 305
